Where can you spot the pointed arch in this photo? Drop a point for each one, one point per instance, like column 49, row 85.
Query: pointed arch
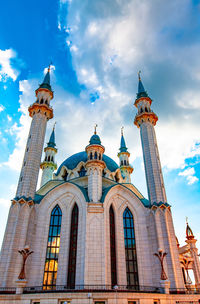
column 71, row 278
column 113, row 247
column 130, row 249
column 53, row 246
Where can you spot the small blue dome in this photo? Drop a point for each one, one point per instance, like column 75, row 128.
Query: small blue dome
column 72, row 162
column 95, row 140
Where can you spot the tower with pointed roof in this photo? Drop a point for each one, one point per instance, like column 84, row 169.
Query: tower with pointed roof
column 49, row 165
column 40, row 112
column 146, row 120
column 22, row 205
column 125, row 167
column 95, row 166
column 191, row 241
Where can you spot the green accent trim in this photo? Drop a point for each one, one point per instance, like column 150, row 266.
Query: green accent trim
column 38, row 197
column 144, row 201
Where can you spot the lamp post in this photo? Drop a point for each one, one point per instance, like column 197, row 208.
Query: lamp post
column 116, row 288
column 89, row 296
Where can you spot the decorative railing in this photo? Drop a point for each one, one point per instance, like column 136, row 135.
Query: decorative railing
column 7, row 290
column 99, row 288
column 184, row 291
column 93, row 288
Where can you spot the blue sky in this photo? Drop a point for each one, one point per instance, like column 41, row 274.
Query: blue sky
column 97, row 48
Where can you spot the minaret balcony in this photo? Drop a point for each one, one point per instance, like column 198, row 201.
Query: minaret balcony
column 41, row 108
column 145, row 117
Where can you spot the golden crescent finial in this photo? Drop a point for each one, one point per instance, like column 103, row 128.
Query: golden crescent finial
column 122, row 131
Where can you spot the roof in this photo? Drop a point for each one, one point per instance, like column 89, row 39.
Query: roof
column 141, row 90
column 123, row 147
column 46, row 82
column 51, row 142
column 72, row 162
column 95, row 140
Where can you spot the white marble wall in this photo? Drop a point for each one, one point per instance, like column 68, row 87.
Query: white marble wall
column 153, row 171
column 32, row 157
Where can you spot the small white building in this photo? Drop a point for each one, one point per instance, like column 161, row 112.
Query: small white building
column 94, row 237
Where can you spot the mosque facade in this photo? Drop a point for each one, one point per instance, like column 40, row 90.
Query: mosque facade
column 88, row 235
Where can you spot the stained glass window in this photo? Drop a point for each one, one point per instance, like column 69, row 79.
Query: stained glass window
column 130, row 249
column 113, row 248
column 71, row 279
column 53, row 246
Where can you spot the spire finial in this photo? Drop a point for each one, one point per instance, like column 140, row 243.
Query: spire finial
column 54, row 125
column 139, row 73
column 122, row 131
column 186, row 218
column 95, row 128
column 49, row 67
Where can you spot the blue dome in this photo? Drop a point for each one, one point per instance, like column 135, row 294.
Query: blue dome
column 95, row 140
column 72, row 162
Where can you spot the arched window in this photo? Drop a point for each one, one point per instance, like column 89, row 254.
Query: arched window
column 52, row 158
column 99, row 156
column 125, row 162
column 71, row 279
column 95, row 155
column 113, row 248
column 42, row 101
column 90, row 155
column 49, row 158
column 130, row 249
column 53, row 246
column 82, row 172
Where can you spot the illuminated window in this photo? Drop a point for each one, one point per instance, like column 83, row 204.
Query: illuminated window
column 113, row 248
column 71, row 279
column 130, row 250
column 53, row 245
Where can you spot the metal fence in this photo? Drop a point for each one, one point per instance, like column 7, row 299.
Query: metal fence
column 93, row 288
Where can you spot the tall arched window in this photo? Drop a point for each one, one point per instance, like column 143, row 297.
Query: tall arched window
column 113, row 248
column 71, row 279
column 130, row 249
column 53, row 246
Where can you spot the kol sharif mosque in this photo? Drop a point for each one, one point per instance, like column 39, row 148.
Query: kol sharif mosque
column 87, row 235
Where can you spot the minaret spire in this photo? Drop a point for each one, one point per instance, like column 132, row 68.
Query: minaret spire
column 124, row 155
column 146, row 120
column 41, row 112
column 48, row 166
column 141, row 90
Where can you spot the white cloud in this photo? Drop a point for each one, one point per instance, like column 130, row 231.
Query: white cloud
column 5, row 202
column 21, row 131
column 113, row 44
column 6, row 68
column 2, row 108
column 9, row 118
column 189, row 173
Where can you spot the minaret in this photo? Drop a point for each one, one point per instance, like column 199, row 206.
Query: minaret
column 146, row 120
column 48, row 165
column 124, row 155
column 95, row 166
column 191, row 241
column 41, row 112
